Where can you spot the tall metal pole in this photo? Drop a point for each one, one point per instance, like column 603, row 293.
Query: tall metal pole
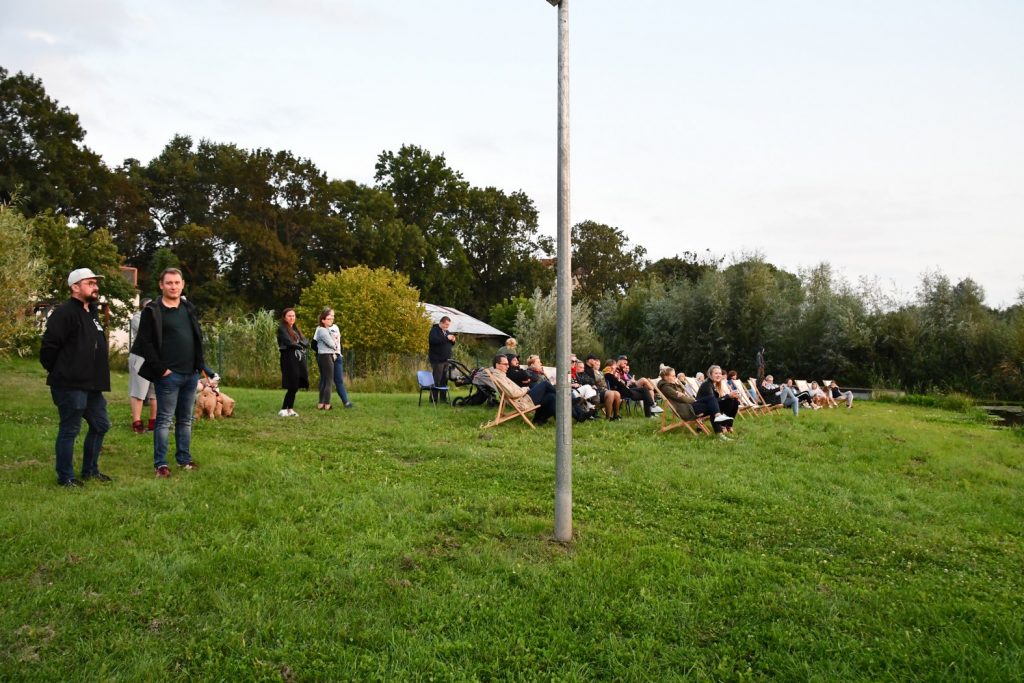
column 563, row 345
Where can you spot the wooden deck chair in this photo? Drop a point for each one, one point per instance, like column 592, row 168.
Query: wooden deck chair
column 746, row 401
column 667, row 421
column 507, row 402
column 765, row 405
column 693, row 384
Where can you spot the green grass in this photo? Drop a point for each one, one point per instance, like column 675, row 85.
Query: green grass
column 397, row 543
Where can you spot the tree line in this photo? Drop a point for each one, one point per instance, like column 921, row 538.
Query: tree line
column 254, row 228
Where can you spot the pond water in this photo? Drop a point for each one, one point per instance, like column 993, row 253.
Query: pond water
column 1009, row 416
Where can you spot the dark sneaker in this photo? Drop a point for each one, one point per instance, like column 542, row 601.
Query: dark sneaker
column 138, row 428
column 151, row 425
column 98, row 476
column 350, row 405
column 190, row 466
column 163, row 472
column 70, row 483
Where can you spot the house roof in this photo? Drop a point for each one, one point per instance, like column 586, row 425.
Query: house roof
column 462, row 323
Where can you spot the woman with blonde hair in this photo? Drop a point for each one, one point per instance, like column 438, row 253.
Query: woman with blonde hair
column 510, row 348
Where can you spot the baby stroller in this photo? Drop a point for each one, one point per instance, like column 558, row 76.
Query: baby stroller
column 479, row 391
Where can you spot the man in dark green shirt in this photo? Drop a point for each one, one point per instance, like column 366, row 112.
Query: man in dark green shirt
column 171, row 345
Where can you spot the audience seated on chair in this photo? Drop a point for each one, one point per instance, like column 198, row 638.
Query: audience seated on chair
column 838, row 393
column 630, row 387
column 518, row 374
column 673, row 391
column 706, row 402
column 541, row 394
column 822, row 397
column 591, row 374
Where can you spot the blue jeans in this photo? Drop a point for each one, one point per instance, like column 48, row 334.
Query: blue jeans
column 175, row 398
column 789, row 399
column 339, row 379
column 72, row 406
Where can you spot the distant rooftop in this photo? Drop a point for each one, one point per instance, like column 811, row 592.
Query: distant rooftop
column 462, row 323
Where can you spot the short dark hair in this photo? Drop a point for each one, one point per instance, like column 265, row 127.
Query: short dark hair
column 444, row 318
column 170, row 271
column 497, row 359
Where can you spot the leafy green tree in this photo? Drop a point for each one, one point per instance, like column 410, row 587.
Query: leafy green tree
column 376, row 310
column 603, row 260
column 499, row 235
column 429, row 195
column 688, row 265
column 163, row 259
column 67, row 247
column 504, row 314
column 42, row 157
column 536, row 329
column 22, row 278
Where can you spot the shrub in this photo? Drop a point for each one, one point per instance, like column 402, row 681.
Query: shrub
column 22, row 277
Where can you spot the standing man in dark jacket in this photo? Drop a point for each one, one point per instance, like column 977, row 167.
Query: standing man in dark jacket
column 171, row 345
column 439, row 353
column 74, row 353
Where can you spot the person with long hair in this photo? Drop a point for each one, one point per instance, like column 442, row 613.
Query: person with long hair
column 294, row 375
column 326, row 352
column 707, row 402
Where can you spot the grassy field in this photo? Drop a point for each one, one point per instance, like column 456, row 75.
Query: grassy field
column 392, row 542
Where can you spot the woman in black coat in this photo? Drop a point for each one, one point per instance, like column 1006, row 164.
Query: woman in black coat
column 294, row 375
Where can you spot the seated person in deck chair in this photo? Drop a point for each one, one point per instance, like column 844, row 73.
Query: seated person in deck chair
column 541, row 394
column 638, row 389
column 802, row 396
column 769, row 391
column 838, row 393
column 517, row 374
column 592, row 375
column 535, row 369
column 707, row 402
column 822, row 397
column 673, row 390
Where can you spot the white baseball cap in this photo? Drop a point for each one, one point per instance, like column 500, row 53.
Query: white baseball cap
column 80, row 274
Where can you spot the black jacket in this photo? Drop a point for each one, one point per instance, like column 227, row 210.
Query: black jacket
column 150, row 340
column 74, row 350
column 440, row 347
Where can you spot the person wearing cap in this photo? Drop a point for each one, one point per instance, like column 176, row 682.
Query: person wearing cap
column 171, row 345
column 74, row 353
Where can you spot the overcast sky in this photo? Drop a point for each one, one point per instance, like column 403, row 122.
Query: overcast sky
column 884, row 137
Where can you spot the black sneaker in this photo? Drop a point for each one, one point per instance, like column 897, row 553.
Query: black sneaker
column 350, row 405
column 98, row 476
column 70, row 483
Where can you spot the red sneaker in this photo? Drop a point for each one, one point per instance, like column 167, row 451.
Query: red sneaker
column 163, row 472
column 137, row 427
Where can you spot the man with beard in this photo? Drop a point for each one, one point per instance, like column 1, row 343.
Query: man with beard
column 74, row 353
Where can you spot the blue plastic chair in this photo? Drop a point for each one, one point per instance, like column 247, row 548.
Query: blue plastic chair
column 426, row 382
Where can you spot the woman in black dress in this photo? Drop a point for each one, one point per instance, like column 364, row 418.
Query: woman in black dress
column 294, row 375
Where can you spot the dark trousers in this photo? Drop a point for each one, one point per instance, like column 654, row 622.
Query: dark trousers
column 543, row 395
column 440, row 379
column 644, row 396
column 289, row 399
column 708, row 406
column 72, row 406
column 325, row 361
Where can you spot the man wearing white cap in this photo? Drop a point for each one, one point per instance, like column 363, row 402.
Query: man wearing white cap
column 74, row 353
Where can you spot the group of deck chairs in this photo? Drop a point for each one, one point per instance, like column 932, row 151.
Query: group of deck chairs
column 751, row 403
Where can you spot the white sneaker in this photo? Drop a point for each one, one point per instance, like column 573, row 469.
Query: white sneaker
column 282, row 413
column 292, row 413
column 721, row 417
column 657, row 410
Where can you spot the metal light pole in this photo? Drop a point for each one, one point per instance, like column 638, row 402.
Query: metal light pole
column 563, row 345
